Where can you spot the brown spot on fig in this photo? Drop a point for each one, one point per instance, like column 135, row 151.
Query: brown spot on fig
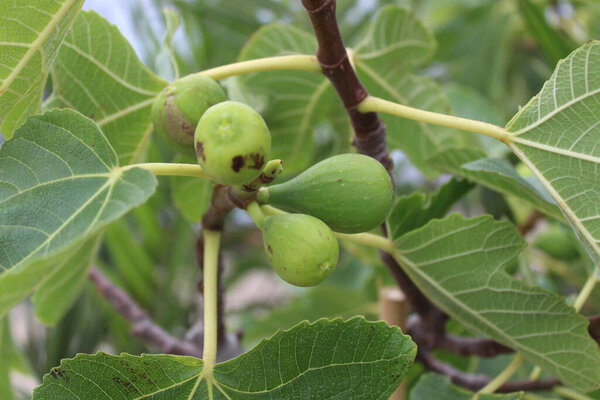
column 258, row 160
column 237, row 163
column 200, row 150
column 270, row 249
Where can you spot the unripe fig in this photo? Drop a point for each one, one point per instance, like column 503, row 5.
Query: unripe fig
column 557, row 242
column 178, row 108
column 302, row 249
column 232, row 143
column 349, row 192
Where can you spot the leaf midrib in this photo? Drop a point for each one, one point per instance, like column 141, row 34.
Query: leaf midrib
column 557, row 197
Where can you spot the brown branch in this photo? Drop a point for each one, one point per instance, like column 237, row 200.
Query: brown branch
column 475, row 382
column 530, row 223
column 594, row 328
column 469, row 346
column 369, row 129
column 141, row 324
column 369, row 136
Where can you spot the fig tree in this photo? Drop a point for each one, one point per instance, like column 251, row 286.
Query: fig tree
column 349, row 192
column 232, row 143
column 178, row 108
column 302, row 249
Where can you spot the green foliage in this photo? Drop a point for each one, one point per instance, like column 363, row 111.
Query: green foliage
column 556, row 136
column 497, row 174
column 69, row 197
column 414, row 211
column 31, row 34
column 432, row 386
column 459, row 264
column 98, row 74
column 291, row 363
column 62, row 185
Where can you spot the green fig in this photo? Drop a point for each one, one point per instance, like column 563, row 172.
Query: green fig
column 302, row 249
column 232, row 143
column 557, row 242
column 178, row 108
column 351, row 193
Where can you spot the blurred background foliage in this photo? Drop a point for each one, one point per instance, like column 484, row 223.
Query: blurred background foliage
column 492, row 57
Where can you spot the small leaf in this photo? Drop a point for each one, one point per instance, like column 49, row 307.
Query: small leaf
column 414, row 211
column 459, row 264
column 98, row 74
column 557, row 134
column 60, row 184
column 32, row 31
column 432, row 386
column 494, row 173
column 326, row 359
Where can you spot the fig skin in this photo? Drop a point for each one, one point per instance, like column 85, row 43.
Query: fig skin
column 232, row 143
column 302, row 249
column 351, row 193
column 178, row 108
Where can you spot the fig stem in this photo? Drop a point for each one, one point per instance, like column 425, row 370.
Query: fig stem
column 368, row 239
column 256, row 214
column 297, row 62
column 586, row 291
column 503, row 377
column 170, row 169
column 375, row 104
column 212, row 241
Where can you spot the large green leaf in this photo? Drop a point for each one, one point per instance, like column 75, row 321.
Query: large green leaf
column 325, row 360
column 432, row 386
column 557, row 135
column 98, row 74
column 397, row 42
column 31, row 32
column 61, row 183
column 291, row 113
column 494, row 173
column 459, row 264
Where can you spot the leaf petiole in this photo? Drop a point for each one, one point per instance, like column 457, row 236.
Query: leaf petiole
column 503, row 377
column 375, row 104
column 212, row 241
column 298, row 62
column 170, row 169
